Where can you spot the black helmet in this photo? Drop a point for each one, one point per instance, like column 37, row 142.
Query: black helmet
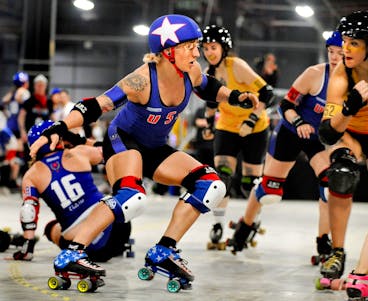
column 355, row 25
column 214, row 33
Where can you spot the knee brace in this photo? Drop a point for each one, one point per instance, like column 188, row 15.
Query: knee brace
column 323, row 185
column 48, row 229
column 29, row 214
column 128, row 200
column 205, row 190
column 225, row 173
column 269, row 190
column 247, row 183
column 343, row 174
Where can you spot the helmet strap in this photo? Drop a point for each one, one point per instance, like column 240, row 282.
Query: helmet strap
column 171, row 57
column 212, row 68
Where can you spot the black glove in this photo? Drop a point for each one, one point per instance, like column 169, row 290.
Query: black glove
column 234, row 100
column 353, row 104
column 26, row 253
column 59, row 128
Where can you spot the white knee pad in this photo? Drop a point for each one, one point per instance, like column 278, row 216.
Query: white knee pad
column 268, row 199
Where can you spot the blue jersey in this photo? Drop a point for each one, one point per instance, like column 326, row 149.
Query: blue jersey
column 150, row 124
column 71, row 196
column 311, row 107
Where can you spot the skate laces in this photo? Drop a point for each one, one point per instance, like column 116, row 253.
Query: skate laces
column 336, row 260
column 89, row 263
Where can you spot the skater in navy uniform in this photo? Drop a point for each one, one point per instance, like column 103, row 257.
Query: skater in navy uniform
column 301, row 110
column 135, row 145
column 63, row 179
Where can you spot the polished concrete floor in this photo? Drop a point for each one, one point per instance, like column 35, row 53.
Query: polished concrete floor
column 277, row 269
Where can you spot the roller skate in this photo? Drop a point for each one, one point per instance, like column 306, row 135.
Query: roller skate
column 215, row 236
column 71, row 264
column 8, row 239
column 244, row 235
column 357, row 287
column 332, row 269
column 167, row 262
column 324, row 249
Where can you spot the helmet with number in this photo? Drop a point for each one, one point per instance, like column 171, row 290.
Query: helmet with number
column 35, row 132
column 355, row 25
column 214, row 33
column 20, row 78
column 334, row 40
column 170, row 30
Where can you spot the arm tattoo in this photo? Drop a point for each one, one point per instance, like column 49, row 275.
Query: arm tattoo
column 136, row 81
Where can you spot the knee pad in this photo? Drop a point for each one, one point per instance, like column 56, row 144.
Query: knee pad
column 48, row 229
column 323, row 185
column 225, row 173
column 29, row 214
column 269, row 190
column 343, row 174
column 205, row 190
column 129, row 199
column 247, row 183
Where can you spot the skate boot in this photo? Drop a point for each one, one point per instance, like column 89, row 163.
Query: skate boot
column 167, row 262
column 357, row 286
column 77, row 261
column 333, row 267
column 324, row 249
column 75, row 264
column 241, row 236
column 215, row 236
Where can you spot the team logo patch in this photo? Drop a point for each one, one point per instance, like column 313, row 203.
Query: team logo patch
column 55, row 166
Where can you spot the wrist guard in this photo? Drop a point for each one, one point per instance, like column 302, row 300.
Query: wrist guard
column 59, row 128
column 234, row 100
column 74, row 139
column 353, row 104
column 89, row 109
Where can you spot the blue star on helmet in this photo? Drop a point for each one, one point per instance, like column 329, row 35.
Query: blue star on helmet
column 167, row 31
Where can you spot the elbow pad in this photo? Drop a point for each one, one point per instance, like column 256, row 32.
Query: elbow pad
column 286, row 105
column 209, row 88
column 327, row 134
column 266, row 95
column 90, row 110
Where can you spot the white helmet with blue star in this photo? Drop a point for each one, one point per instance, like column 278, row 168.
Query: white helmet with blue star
column 170, row 30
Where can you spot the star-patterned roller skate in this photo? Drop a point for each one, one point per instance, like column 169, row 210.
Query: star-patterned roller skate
column 71, row 264
column 167, row 262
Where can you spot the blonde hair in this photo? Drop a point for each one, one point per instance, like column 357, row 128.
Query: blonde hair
column 152, row 58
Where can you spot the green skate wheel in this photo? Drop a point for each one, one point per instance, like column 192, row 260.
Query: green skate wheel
column 318, row 284
column 173, row 286
column 55, row 282
column 84, row 285
column 145, row 274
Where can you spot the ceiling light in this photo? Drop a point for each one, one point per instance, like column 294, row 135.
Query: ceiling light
column 141, row 29
column 326, row 34
column 84, row 4
column 304, row 11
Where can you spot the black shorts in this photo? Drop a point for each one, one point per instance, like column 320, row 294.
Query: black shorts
column 285, row 145
column 152, row 157
column 252, row 147
column 115, row 245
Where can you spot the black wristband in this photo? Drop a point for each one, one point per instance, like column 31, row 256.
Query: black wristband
column 253, row 117
column 74, row 139
column 249, row 123
column 234, row 100
column 297, row 121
